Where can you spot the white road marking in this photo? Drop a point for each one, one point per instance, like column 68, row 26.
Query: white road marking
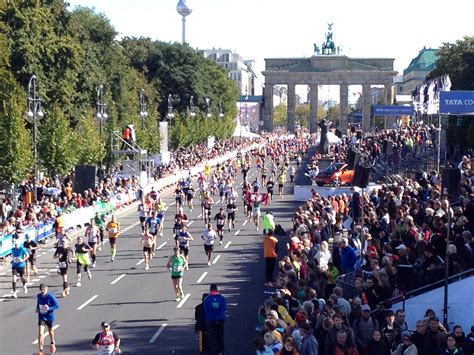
column 140, row 262
column 157, row 334
column 7, row 295
column 3, row 273
column 51, row 270
column 35, row 280
column 30, row 283
column 87, row 302
column 161, row 246
column 118, row 279
column 200, row 215
column 216, row 259
column 237, row 233
column 172, row 203
column 245, row 222
column 130, row 227
column 180, row 304
column 204, row 274
column 46, row 334
column 228, row 244
column 42, row 276
column 190, row 223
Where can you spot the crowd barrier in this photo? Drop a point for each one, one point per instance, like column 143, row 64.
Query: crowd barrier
column 80, row 217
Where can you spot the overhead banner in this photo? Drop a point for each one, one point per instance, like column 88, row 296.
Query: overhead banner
column 385, row 110
column 456, row 102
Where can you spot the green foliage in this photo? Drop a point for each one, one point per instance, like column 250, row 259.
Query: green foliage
column 457, row 60
column 57, row 143
column 89, row 146
column 15, row 145
column 302, row 115
column 280, row 115
column 72, row 52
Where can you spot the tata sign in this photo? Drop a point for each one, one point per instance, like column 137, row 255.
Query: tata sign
column 456, row 102
column 381, row 110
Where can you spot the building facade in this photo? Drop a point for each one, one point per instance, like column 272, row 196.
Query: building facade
column 415, row 74
column 240, row 70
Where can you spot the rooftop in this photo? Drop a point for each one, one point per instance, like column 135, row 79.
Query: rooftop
column 424, row 61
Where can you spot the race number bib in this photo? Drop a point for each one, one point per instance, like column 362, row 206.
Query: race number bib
column 62, row 264
column 43, row 308
column 177, row 268
column 17, row 259
column 113, row 230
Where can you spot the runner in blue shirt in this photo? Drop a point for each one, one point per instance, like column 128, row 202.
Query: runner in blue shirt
column 19, row 256
column 46, row 304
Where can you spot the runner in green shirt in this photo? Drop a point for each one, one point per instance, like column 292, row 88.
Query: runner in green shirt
column 176, row 264
column 99, row 221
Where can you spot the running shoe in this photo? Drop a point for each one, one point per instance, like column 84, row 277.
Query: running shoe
column 78, row 284
column 89, row 275
column 25, row 289
column 220, row 242
column 147, row 267
column 14, row 295
column 112, row 259
column 178, row 299
column 93, row 265
column 209, row 263
column 53, row 348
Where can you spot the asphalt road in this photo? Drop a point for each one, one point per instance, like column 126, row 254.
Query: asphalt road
column 140, row 304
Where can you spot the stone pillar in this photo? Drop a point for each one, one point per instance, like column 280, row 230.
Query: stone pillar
column 344, row 105
column 389, row 120
column 268, row 108
column 291, row 108
column 366, row 107
column 313, row 108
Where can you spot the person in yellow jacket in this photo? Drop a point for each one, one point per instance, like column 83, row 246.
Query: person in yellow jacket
column 281, row 183
column 113, row 230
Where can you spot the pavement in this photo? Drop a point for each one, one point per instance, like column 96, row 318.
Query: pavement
column 140, row 304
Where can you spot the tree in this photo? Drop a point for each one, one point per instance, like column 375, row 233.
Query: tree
column 302, row 115
column 89, row 147
column 15, row 146
column 57, row 143
column 457, row 60
column 280, row 115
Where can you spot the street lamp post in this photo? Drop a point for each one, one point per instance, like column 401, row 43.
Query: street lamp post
column 192, row 112
column 33, row 114
column 208, row 108
column 221, row 112
column 143, row 111
column 101, row 113
column 170, row 114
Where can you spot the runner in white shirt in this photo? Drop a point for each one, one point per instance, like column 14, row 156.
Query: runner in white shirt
column 92, row 236
column 142, row 214
column 209, row 236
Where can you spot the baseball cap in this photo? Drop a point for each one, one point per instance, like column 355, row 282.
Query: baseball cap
column 213, row 287
column 365, row 307
column 401, row 247
column 43, row 286
column 105, row 324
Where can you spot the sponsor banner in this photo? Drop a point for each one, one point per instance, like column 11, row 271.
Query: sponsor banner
column 392, row 110
column 456, row 102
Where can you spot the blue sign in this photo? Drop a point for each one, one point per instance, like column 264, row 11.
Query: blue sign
column 456, row 102
column 382, row 110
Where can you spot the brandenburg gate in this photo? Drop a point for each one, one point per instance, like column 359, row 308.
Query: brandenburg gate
column 326, row 68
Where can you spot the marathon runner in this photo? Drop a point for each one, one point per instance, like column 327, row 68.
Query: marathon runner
column 161, row 208
column 99, row 221
column 209, row 236
column 256, row 210
column 153, row 226
column 231, row 208
column 142, row 214
column 179, row 195
column 148, row 241
column 46, row 304
column 62, row 253
column 220, row 219
column 182, row 239
column 180, row 219
column 19, row 257
column 176, row 264
column 31, row 246
column 270, row 187
column 281, row 183
column 106, row 342
column 206, row 207
column 189, row 196
column 113, row 229
column 92, row 236
column 81, row 251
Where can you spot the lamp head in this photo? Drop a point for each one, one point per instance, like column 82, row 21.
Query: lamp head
column 98, row 115
column 40, row 113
